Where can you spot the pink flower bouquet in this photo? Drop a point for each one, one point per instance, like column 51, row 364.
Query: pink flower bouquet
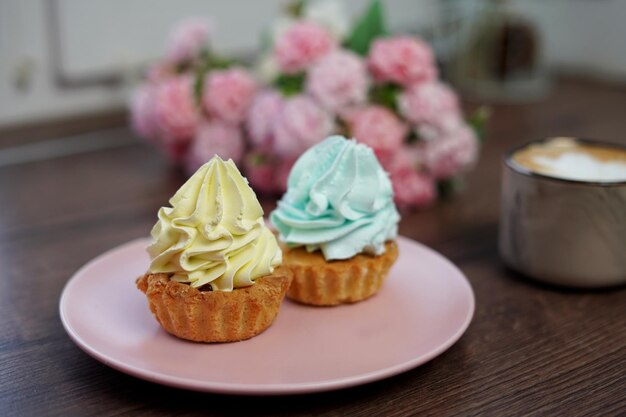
column 193, row 104
column 382, row 90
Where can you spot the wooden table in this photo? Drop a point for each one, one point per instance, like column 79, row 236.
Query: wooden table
column 531, row 349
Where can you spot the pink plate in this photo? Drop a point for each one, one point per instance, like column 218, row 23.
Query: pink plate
column 424, row 307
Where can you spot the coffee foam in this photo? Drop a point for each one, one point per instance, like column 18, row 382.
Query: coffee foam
column 568, row 159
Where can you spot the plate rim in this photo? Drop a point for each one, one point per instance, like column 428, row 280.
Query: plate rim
column 259, row 389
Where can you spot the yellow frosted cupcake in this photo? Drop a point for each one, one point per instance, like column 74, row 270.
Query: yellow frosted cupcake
column 337, row 222
column 215, row 273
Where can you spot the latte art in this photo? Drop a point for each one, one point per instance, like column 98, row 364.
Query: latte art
column 569, row 159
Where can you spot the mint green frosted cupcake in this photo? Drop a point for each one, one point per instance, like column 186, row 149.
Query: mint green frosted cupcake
column 337, row 223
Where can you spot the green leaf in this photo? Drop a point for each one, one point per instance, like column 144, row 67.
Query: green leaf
column 258, row 159
column 478, row 121
column 295, row 8
column 449, row 187
column 208, row 62
column 385, row 95
column 290, row 85
column 219, row 62
column 370, row 26
column 198, row 85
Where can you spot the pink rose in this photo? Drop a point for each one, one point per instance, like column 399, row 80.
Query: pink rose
column 300, row 45
column 301, row 124
column 158, row 72
column 215, row 137
column 142, row 114
column 266, row 174
column 260, row 121
column 411, row 187
column 282, row 174
column 175, row 110
column 379, row 128
column 451, row 153
column 187, row 39
column 445, row 124
column 432, row 103
column 228, row 94
column 260, row 171
column 402, row 60
column 338, row 80
column 406, row 156
column 176, row 151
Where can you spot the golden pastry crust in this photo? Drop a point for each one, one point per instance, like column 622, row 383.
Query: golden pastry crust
column 215, row 316
column 322, row 283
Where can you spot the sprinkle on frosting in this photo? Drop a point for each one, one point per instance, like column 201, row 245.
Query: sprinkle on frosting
column 214, row 232
column 339, row 200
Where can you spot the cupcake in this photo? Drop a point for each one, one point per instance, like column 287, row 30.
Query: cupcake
column 215, row 273
column 337, row 222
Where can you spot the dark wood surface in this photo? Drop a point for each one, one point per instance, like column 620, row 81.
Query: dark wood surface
column 530, row 349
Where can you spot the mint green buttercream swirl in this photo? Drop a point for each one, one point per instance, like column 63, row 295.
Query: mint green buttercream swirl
column 339, row 200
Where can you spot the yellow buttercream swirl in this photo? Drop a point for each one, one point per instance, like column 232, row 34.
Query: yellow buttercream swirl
column 214, row 232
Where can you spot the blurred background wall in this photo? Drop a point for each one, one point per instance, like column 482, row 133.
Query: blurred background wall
column 64, row 58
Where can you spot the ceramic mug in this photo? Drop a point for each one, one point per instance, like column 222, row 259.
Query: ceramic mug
column 563, row 231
